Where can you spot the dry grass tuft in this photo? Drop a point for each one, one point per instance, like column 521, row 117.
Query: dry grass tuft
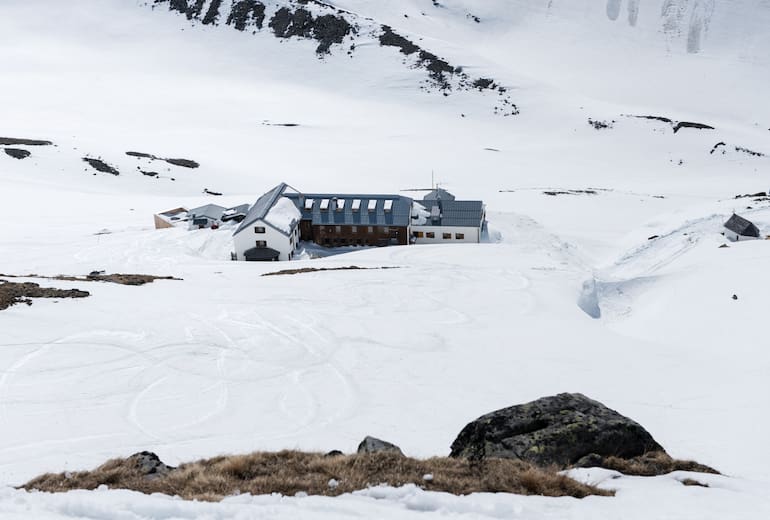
column 654, row 463
column 291, row 472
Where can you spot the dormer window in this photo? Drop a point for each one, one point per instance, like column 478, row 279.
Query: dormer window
column 325, row 205
column 340, row 204
column 372, row 205
column 356, row 205
column 309, row 204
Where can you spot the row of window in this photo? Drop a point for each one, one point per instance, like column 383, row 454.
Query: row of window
column 359, row 229
column 355, row 205
column 445, row 236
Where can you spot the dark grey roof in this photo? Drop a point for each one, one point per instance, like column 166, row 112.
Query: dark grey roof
column 262, row 207
column 243, row 208
column 210, row 211
column 235, row 212
column 261, row 254
column 438, row 194
column 460, row 213
column 741, row 226
column 399, row 215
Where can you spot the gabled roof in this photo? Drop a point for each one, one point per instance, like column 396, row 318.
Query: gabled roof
column 741, row 226
column 387, row 210
column 262, row 207
column 211, row 211
column 438, row 194
column 455, row 213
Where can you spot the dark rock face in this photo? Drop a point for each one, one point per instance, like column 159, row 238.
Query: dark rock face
column 23, row 142
column 101, row 166
column 17, row 153
column 212, row 15
column 330, row 29
column 148, row 464
column 327, row 29
column 330, row 25
column 246, row 12
column 390, row 39
column 374, row 445
column 185, row 163
column 689, row 124
column 560, row 430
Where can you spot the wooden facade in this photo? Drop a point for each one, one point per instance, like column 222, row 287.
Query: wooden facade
column 328, row 235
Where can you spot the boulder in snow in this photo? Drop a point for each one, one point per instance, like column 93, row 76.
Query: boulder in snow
column 149, row 464
column 560, row 430
column 374, row 445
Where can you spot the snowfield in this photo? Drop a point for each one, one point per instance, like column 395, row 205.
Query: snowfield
column 573, row 294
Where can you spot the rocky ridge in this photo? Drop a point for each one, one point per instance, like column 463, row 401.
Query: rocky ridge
column 334, row 28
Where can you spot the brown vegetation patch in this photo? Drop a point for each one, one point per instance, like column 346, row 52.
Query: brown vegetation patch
column 320, row 269
column 119, row 278
column 12, row 293
column 654, row 463
column 292, row 472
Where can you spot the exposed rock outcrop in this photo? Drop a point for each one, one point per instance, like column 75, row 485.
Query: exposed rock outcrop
column 15, row 141
column 375, row 445
column 17, row 153
column 246, row 13
column 331, row 26
column 101, row 166
column 148, row 464
column 560, row 430
column 185, row 163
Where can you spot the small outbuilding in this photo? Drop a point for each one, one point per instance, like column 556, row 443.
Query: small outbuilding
column 206, row 216
column 170, row 218
column 236, row 213
column 738, row 228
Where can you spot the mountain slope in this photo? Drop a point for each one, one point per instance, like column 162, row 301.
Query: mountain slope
column 605, row 195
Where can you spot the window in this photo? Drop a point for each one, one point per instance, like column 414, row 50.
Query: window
column 354, row 229
column 419, row 234
column 261, row 243
column 340, row 204
column 372, row 205
column 325, row 205
column 447, row 236
column 338, row 229
column 388, row 206
column 460, row 236
column 430, row 234
column 386, row 229
column 370, row 229
column 259, row 230
column 356, row 205
column 309, row 204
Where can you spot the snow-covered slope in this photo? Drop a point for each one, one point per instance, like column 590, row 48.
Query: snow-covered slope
column 228, row 361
